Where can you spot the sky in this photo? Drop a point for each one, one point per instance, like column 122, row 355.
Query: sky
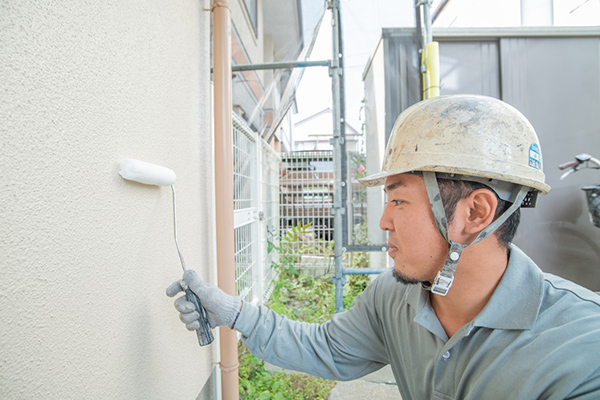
column 362, row 23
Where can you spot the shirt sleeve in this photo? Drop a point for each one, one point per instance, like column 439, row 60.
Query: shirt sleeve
column 347, row 347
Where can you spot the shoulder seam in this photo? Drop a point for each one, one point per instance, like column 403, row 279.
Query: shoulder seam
column 597, row 302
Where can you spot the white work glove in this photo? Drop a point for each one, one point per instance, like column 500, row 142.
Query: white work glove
column 221, row 308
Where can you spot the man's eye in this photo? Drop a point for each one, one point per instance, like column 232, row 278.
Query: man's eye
column 396, row 202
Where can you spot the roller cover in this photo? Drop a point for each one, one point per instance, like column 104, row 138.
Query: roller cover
column 143, row 172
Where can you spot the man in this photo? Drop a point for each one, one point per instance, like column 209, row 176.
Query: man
column 464, row 314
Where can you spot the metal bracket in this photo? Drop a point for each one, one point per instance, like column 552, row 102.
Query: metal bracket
column 441, row 284
column 337, row 138
column 423, row 3
column 334, row 210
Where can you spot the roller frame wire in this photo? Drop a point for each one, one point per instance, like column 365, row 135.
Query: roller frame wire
column 204, row 332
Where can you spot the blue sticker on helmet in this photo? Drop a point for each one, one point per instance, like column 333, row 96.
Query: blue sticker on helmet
column 535, row 156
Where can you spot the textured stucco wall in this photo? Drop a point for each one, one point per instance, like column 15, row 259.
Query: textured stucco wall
column 86, row 256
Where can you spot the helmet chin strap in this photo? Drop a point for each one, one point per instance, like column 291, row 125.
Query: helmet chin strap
column 444, row 279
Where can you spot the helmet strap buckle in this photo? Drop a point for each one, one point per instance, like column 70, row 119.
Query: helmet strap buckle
column 444, row 279
column 441, row 284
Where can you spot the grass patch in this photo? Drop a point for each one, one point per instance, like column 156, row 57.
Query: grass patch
column 299, row 297
column 302, row 298
column 258, row 383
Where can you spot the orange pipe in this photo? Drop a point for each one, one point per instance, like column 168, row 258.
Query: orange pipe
column 224, row 186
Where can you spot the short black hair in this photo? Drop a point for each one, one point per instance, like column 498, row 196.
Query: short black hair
column 452, row 191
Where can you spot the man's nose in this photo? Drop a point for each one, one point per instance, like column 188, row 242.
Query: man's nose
column 385, row 223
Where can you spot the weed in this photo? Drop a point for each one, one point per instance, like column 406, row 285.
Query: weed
column 258, row 383
column 300, row 297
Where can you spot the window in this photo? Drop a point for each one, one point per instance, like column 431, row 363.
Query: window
column 252, row 9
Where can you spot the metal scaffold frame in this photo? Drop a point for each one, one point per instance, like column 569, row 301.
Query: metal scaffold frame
column 339, row 210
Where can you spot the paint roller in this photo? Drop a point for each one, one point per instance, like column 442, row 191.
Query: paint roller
column 152, row 174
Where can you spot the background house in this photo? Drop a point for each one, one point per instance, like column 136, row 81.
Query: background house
column 316, row 131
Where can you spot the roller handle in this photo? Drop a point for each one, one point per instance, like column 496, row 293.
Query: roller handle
column 205, row 335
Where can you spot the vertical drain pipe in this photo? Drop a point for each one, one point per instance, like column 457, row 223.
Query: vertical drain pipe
column 224, row 186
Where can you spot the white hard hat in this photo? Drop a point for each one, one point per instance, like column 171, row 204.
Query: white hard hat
column 468, row 135
column 465, row 137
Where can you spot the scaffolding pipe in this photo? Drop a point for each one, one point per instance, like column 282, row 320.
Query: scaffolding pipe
column 429, row 52
column 224, row 187
column 364, row 271
column 281, row 65
column 427, row 17
column 438, row 11
column 424, row 17
column 338, row 148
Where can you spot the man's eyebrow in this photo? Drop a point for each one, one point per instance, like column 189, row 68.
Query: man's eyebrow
column 393, row 186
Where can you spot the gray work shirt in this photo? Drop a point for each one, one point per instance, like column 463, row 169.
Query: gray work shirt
column 537, row 338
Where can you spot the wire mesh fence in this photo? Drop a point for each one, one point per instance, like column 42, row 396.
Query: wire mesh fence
column 255, row 176
column 269, row 215
column 284, row 202
column 306, row 202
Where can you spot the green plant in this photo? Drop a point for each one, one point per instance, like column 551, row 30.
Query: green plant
column 304, row 298
column 290, row 249
column 297, row 295
column 300, row 297
column 256, row 382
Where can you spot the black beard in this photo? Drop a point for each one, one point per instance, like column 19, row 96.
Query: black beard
column 405, row 279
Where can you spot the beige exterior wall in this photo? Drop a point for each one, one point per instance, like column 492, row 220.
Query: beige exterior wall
column 86, row 256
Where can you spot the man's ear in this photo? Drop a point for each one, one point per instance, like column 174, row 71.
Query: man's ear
column 480, row 210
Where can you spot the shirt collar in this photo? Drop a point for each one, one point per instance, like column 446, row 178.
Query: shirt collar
column 517, row 299
column 425, row 316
